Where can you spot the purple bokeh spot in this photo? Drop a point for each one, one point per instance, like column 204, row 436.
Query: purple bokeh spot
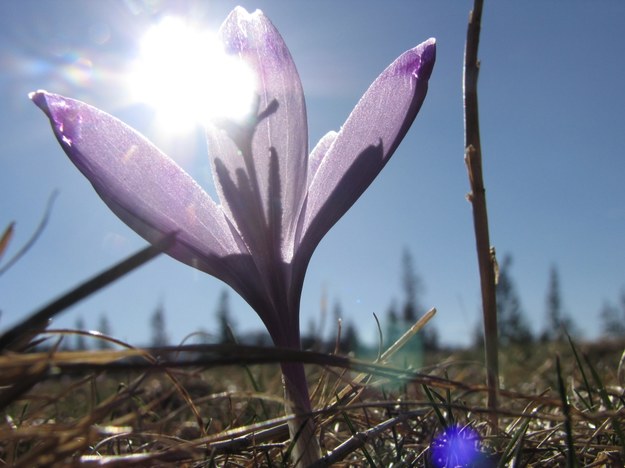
column 456, row 447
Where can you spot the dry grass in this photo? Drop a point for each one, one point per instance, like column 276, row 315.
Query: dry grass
column 222, row 405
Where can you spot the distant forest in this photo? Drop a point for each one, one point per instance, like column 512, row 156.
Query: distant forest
column 514, row 326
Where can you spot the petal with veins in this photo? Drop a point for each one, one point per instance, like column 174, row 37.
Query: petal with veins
column 270, row 148
column 144, row 187
column 277, row 202
column 318, row 153
column 366, row 141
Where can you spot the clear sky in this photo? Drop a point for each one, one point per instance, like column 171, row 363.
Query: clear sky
column 552, row 108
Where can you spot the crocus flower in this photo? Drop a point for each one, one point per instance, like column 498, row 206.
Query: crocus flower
column 456, row 447
column 277, row 201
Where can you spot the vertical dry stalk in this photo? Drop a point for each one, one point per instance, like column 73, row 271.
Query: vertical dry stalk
column 477, row 197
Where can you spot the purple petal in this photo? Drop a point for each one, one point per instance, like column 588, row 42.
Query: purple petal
column 366, row 142
column 318, row 153
column 260, row 167
column 144, row 187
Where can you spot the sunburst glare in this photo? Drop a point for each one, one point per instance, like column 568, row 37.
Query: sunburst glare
column 184, row 74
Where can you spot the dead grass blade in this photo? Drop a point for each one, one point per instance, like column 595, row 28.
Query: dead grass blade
column 42, row 224
column 6, row 238
column 571, row 460
column 20, row 334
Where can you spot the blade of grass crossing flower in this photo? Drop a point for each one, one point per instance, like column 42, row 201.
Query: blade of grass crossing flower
column 571, row 460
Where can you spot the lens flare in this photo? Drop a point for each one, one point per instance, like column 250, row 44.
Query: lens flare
column 184, row 74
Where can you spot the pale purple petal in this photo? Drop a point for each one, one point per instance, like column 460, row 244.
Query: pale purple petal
column 318, row 153
column 365, row 143
column 260, row 167
column 144, row 187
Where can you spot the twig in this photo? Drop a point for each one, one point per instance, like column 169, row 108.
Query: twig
column 384, row 357
column 477, row 197
column 209, row 356
column 571, row 461
column 34, row 237
column 6, row 238
column 38, row 320
column 402, row 340
column 359, row 439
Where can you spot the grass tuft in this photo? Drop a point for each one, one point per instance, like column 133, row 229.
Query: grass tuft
column 197, row 405
column 222, row 404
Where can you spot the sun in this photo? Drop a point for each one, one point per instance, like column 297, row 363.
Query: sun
column 183, row 73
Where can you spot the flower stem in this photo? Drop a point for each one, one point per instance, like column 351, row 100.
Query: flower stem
column 302, row 427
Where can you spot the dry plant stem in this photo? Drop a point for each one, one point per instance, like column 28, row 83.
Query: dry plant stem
column 390, row 352
column 477, row 197
column 359, row 439
column 306, row 448
column 33, row 237
column 38, row 321
column 402, row 340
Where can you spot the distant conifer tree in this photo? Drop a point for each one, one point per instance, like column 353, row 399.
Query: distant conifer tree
column 226, row 324
column 81, row 343
column 159, row 331
column 350, row 340
column 413, row 288
column 477, row 337
column 513, row 326
column 558, row 322
column 393, row 325
column 412, row 308
column 104, row 327
column 613, row 318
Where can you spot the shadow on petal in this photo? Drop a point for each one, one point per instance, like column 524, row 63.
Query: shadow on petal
column 354, row 182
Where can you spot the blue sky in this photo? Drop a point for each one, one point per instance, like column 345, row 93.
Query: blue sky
column 552, row 103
